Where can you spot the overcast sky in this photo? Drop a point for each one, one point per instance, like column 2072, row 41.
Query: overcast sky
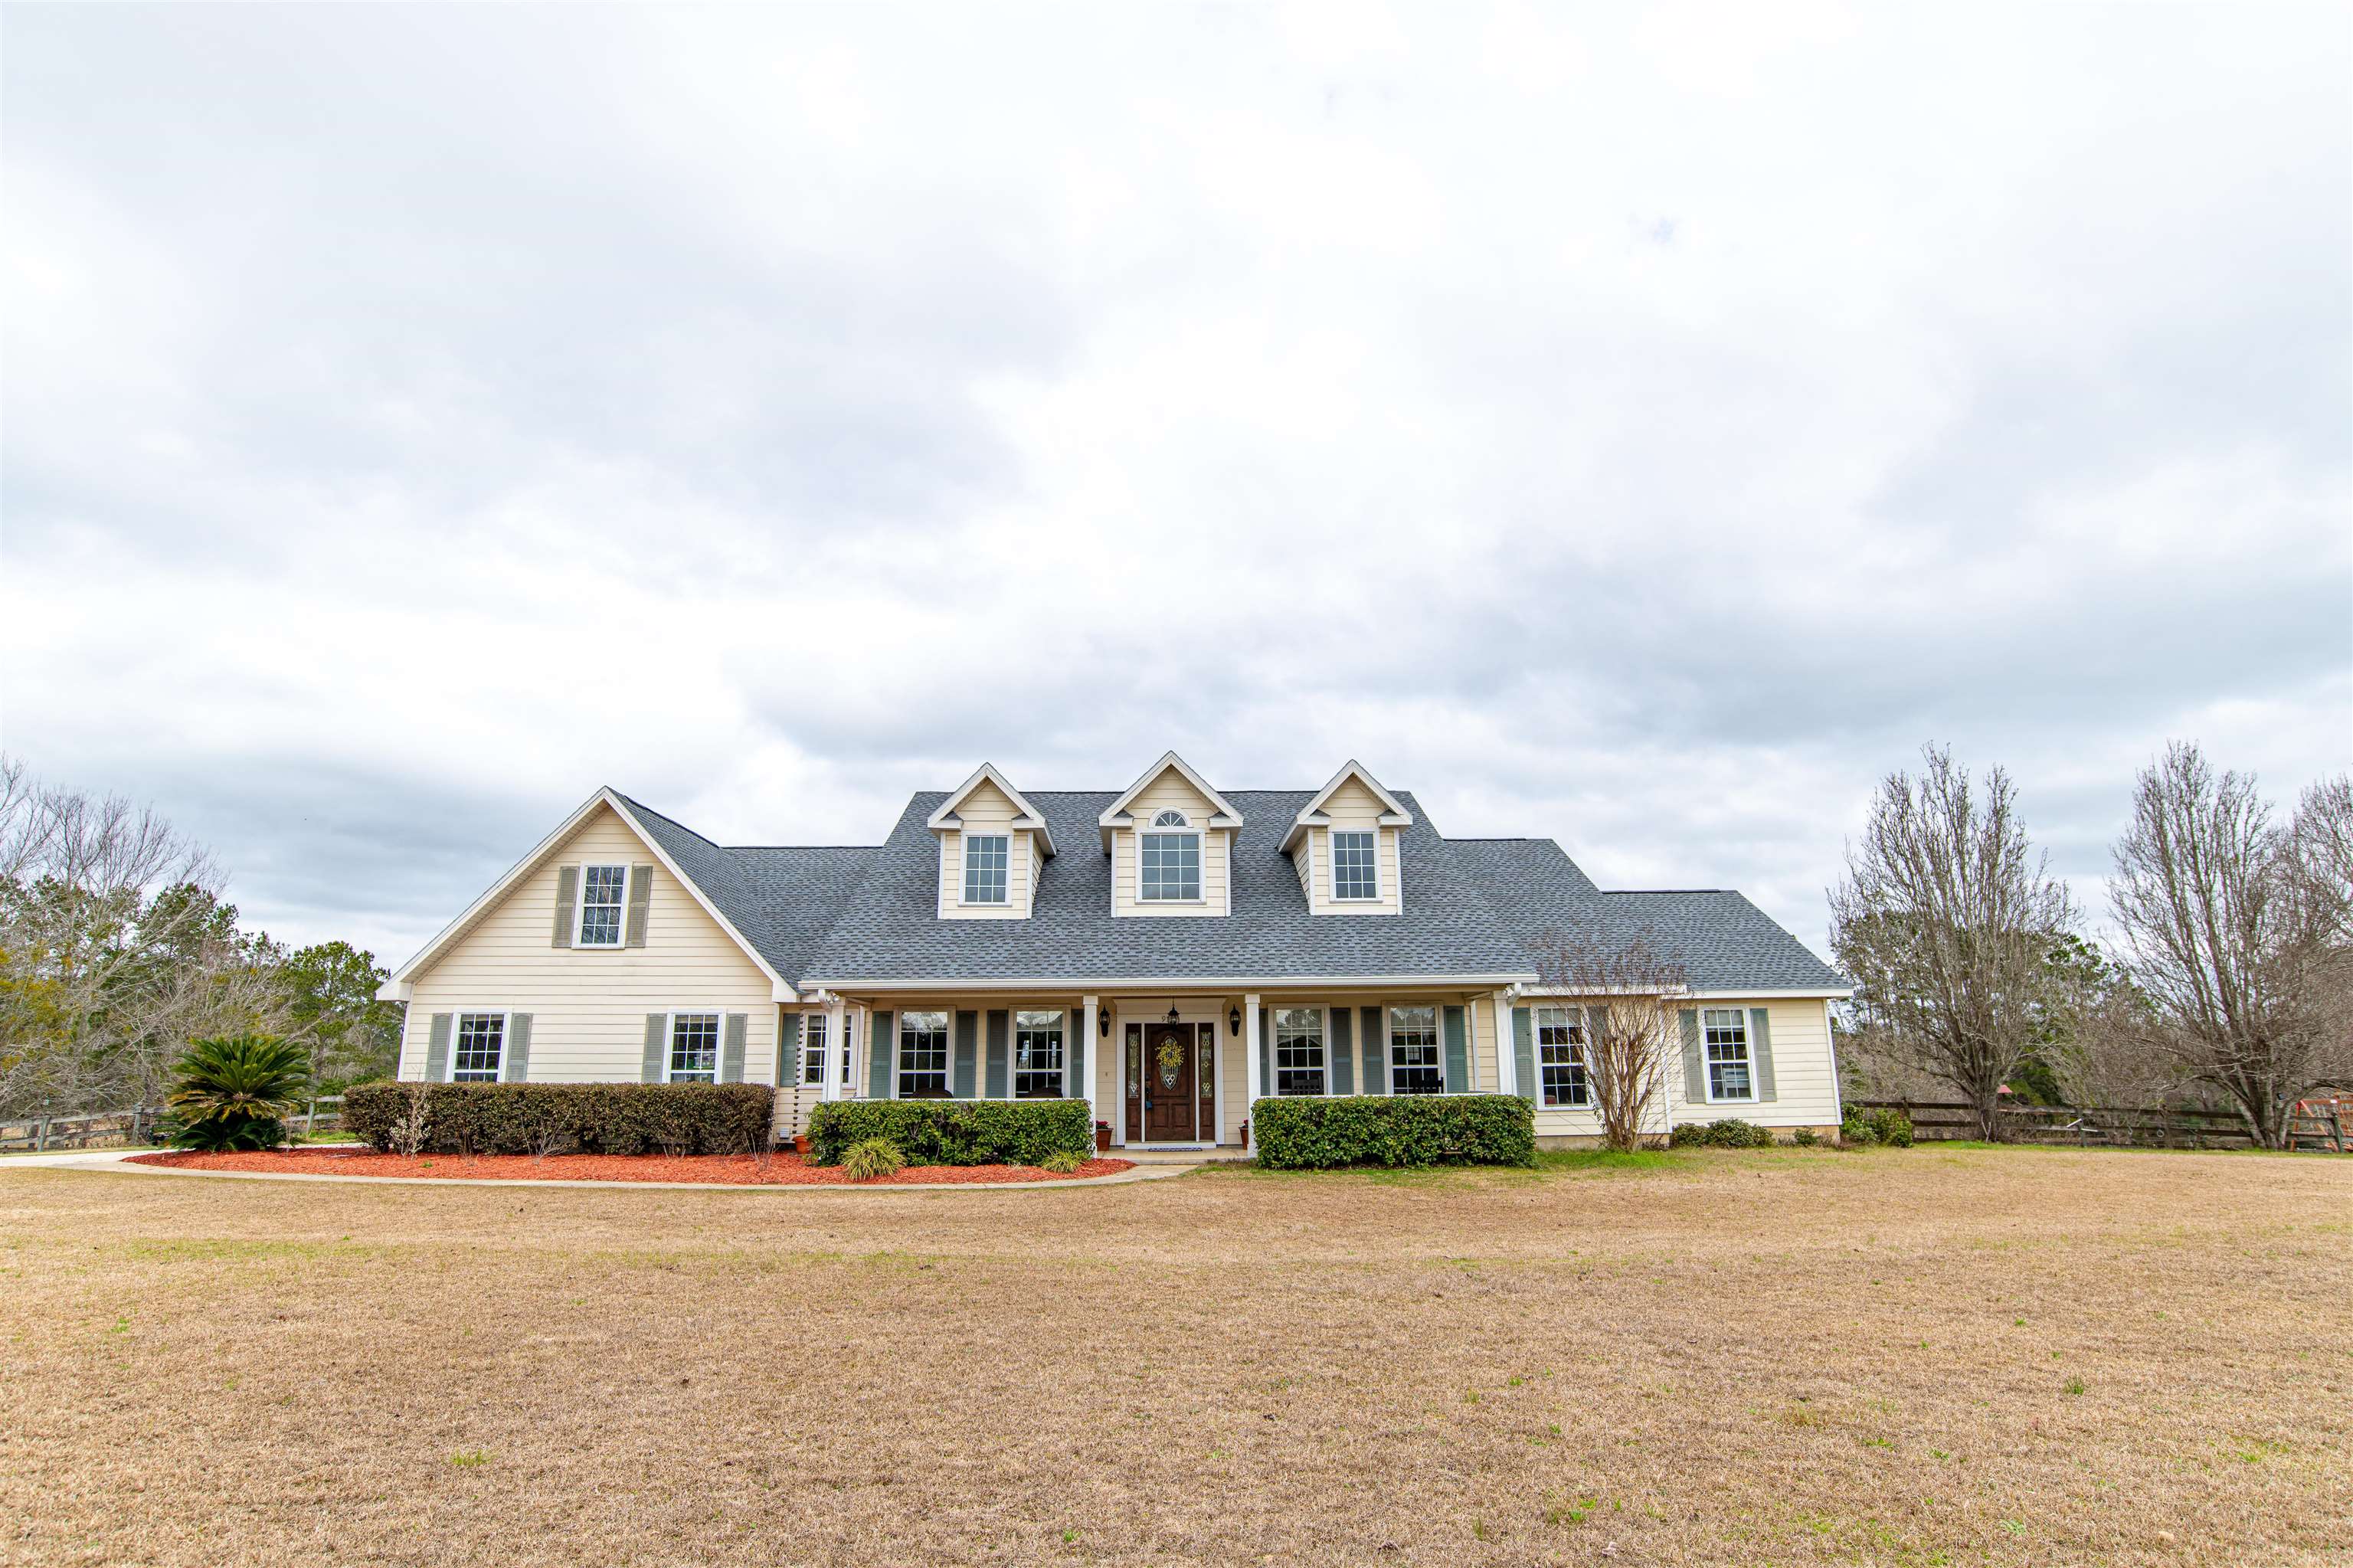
column 1643, row 429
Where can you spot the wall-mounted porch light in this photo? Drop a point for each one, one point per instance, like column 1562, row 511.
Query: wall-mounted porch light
column 1234, row 1020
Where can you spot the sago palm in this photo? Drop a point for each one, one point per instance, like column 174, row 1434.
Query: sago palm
column 236, row 1092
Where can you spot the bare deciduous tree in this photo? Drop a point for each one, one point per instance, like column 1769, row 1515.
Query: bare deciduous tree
column 2236, row 931
column 115, row 949
column 1627, row 994
column 1945, row 923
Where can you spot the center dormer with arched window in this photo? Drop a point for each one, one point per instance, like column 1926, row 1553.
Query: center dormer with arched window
column 1170, row 838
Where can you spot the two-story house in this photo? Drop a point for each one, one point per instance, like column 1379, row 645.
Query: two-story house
column 1169, row 953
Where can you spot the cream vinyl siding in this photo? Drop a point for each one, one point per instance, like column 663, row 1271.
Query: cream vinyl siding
column 988, row 811
column 1170, row 792
column 1806, row 1086
column 1352, row 808
column 588, row 1006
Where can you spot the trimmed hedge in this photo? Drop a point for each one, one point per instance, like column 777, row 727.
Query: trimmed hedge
column 553, row 1118
column 1306, row 1133
column 954, row 1132
column 1729, row 1133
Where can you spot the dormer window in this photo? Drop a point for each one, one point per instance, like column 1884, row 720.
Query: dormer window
column 1355, row 867
column 1171, row 819
column 1171, row 863
column 986, row 856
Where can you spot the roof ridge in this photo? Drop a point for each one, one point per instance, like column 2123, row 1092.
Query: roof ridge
column 1657, row 892
column 673, row 821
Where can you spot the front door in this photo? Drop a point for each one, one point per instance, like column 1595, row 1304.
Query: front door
column 1168, row 1096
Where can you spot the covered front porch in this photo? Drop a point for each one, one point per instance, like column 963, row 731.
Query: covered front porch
column 1167, row 1070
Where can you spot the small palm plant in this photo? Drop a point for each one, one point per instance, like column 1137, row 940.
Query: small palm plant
column 872, row 1158
column 236, row 1092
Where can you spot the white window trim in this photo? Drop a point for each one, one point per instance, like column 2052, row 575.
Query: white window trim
column 718, row 1044
column 1747, row 1060
column 1200, row 863
column 1389, row 1049
column 506, row 1038
column 1013, row 1052
column 1581, row 1050
column 964, row 865
column 580, row 911
column 840, row 1058
column 1331, row 849
column 899, row 1049
column 1275, row 1050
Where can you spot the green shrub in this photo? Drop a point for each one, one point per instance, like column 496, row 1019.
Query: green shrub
column 1311, row 1132
column 1730, row 1132
column 1885, row 1124
column 1062, row 1162
column 1805, row 1137
column 553, row 1118
column 872, row 1158
column 954, row 1132
column 236, row 1092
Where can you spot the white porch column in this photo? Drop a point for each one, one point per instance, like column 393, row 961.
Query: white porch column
column 1249, row 1067
column 1507, row 1047
column 1091, row 1042
column 837, row 1014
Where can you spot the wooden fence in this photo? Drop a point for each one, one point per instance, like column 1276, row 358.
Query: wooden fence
column 103, row 1130
column 2087, row 1126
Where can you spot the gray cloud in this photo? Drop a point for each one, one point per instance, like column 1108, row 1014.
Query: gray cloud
column 1644, row 433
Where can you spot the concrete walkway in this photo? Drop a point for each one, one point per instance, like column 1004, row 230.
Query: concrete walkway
column 119, row 1162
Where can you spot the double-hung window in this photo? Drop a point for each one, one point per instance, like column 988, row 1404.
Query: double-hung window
column 1415, row 1067
column 1560, row 1057
column 602, row 890
column 1356, row 872
column 1169, row 867
column 1298, row 1051
column 923, row 1055
column 1036, row 1055
column 813, row 1034
column 1728, row 1054
column 693, row 1047
column 984, row 858
column 481, row 1046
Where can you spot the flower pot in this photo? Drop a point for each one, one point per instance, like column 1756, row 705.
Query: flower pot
column 1102, row 1138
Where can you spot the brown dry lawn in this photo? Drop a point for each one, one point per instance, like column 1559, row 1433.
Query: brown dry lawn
column 1933, row 1356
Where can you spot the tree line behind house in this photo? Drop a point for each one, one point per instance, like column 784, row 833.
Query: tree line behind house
column 2224, row 981
column 117, row 950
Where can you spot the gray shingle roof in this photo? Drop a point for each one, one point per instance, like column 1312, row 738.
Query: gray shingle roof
column 834, row 915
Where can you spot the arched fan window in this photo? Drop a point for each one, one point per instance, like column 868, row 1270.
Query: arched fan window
column 1170, row 820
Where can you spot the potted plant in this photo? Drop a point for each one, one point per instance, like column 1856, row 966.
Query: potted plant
column 1102, row 1138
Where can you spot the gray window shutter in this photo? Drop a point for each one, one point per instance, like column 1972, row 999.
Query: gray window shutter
column 1695, row 1060
column 1457, row 1054
column 656, row 1068
column 1344, row 1054
column 1266, row 1049
column 965, row 1080
column 1524, row 1053
column 732, row 1030
column 568, row 900
column 1000, row 1081
column 789, row 1050
column 514, row 1063
column 1376, row 1080
column 437, row 1049
column 1074, row 1055
column 641, row 894
column 1760, row 1050
column 883, row 1041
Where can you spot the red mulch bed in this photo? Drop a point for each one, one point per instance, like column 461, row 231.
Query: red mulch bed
column 716, row 1169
